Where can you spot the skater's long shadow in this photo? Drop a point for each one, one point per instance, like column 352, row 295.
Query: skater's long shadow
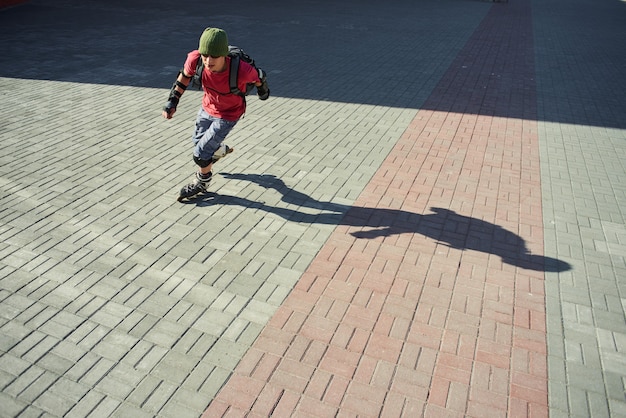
column 443, row 225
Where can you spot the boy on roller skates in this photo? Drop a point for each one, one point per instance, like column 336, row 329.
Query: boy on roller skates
column 225, row 79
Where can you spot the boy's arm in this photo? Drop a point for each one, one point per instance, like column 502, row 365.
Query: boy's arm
column 178, row 88
column 262, row 89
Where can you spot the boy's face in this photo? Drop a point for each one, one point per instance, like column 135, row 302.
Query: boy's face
column 214, row 64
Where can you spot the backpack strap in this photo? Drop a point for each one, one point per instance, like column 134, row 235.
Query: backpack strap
column 233, row 75
column 196, row 79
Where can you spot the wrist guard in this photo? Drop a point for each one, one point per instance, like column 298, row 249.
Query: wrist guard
column 263, row 91
column 174, row 97
column 174, row 93
column 171, row 104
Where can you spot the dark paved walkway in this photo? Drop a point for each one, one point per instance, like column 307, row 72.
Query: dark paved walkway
column 440, row 236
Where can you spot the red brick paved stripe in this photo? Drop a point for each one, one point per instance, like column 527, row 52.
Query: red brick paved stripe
column 428, row 300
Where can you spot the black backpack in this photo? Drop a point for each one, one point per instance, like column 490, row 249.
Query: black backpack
column 236, row 55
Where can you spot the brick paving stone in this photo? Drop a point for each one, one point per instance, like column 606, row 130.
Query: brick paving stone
column 370, row 231
column 577, row 156
column 451, row 374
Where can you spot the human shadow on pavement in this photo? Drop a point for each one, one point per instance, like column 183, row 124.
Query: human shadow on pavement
column 443, row 225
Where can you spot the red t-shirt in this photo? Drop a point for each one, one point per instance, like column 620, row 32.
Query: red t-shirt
column 218, row 101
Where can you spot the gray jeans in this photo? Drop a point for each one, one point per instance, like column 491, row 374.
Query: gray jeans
column 209, row 134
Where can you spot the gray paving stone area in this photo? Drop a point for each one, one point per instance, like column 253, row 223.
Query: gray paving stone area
column 115, row 300
column 110, row 284
column 582, row 111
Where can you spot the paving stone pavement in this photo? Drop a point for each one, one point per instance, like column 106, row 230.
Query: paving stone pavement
column 115, row 300
column 582, row 131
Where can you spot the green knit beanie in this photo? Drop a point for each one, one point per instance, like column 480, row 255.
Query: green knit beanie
column 213, row 42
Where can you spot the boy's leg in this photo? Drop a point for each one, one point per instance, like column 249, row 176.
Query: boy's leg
column 209, row 135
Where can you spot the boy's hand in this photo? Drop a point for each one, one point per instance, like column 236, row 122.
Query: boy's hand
column 168, row 115
column 262, row 89
column 169, row 109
